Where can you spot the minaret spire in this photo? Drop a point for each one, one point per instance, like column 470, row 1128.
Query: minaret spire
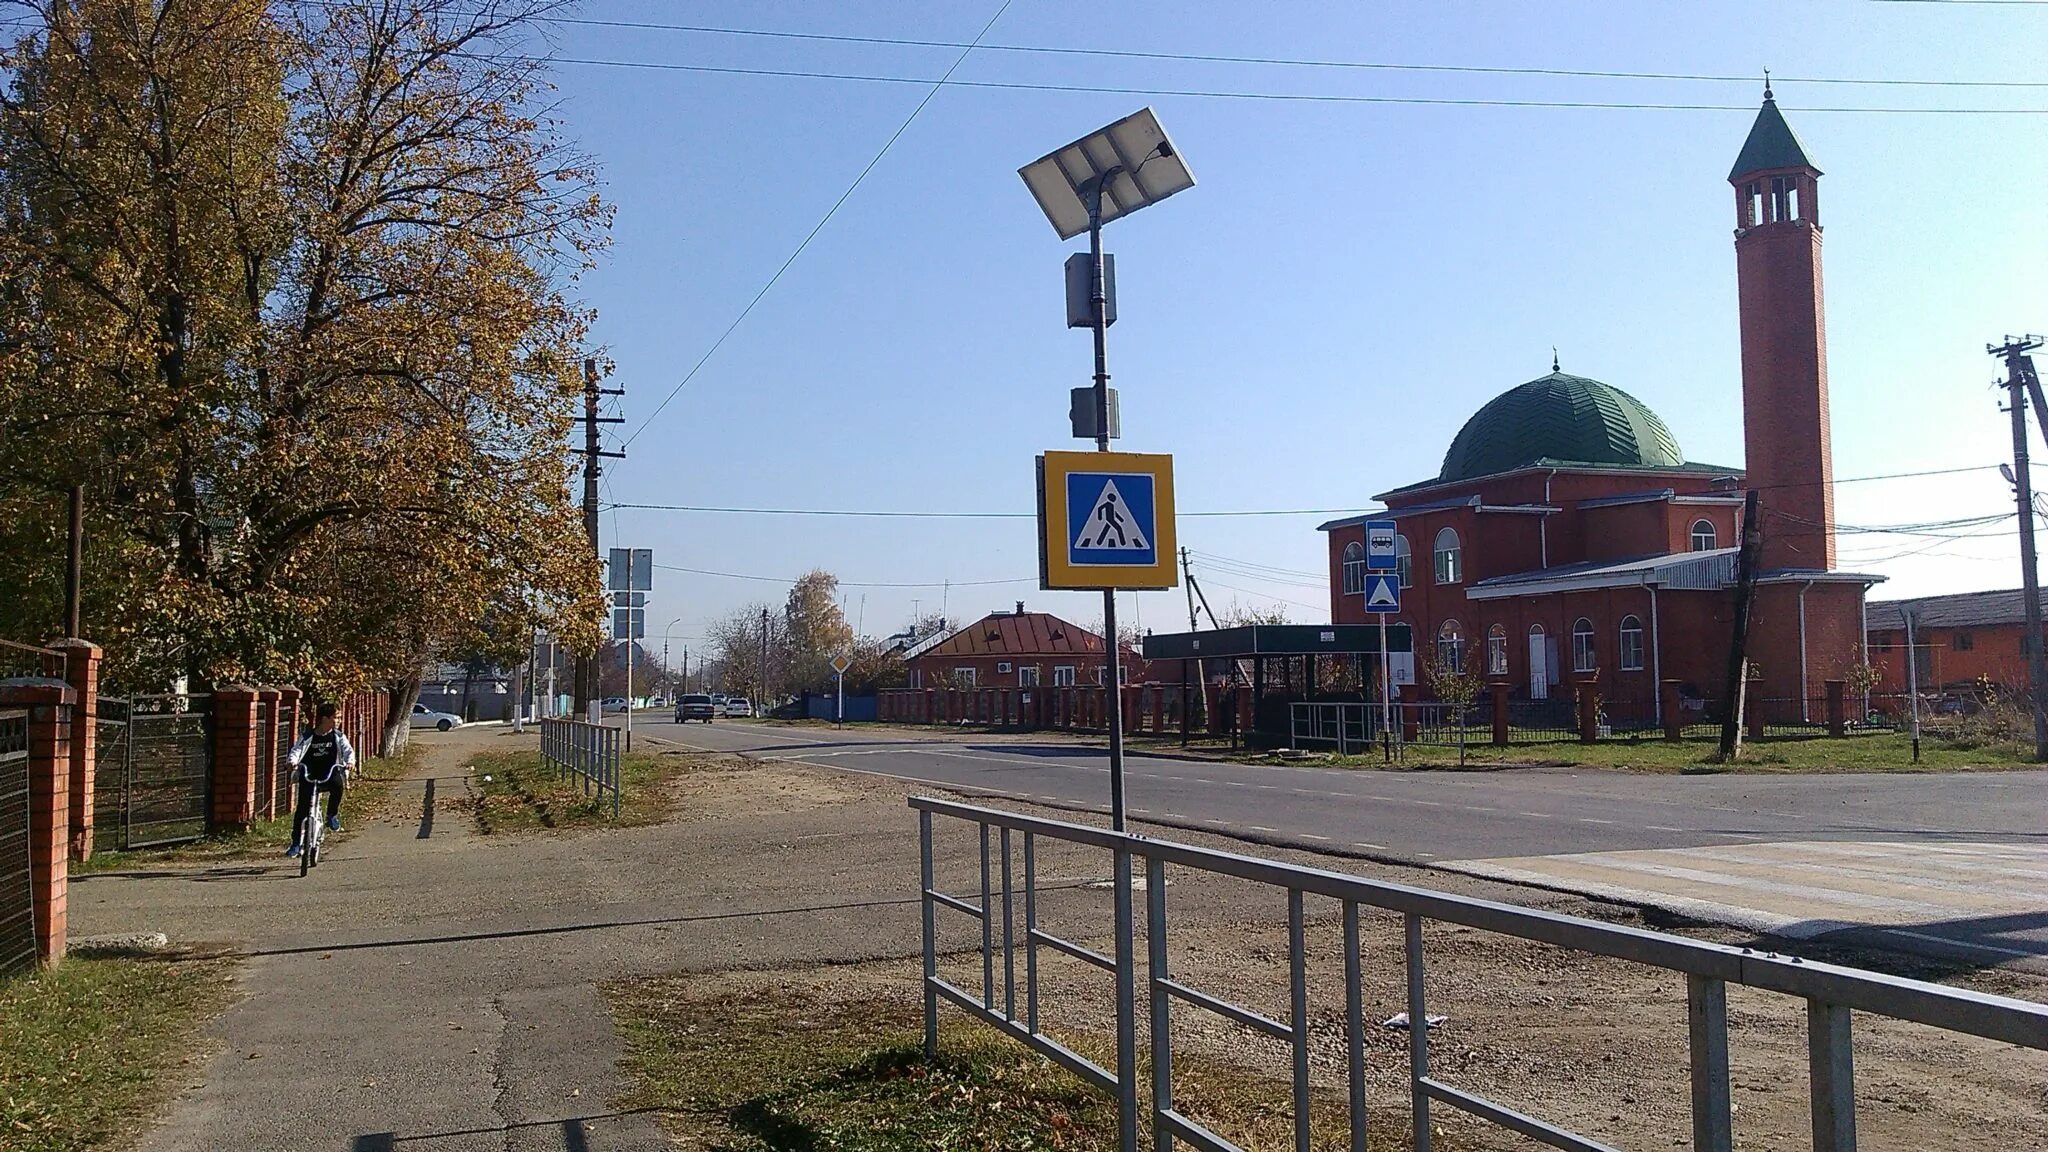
column 1553, row 358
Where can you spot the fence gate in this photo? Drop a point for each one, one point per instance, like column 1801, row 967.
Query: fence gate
column 17, row 912
column 155, row 773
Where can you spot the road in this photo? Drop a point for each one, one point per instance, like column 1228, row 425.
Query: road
column 1951, row 865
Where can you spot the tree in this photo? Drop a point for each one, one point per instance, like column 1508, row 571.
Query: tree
column 736, row 646
column 1240, row 615
column 1455, row 682
column 285, row 284
column 815, row 630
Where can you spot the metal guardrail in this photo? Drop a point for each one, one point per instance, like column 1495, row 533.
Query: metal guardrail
column 585, row 750
column 1831, row 992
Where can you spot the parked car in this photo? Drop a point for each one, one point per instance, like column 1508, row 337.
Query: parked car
column 615, row 704
column 425, row 717
column 739, row 706
column 695, row 706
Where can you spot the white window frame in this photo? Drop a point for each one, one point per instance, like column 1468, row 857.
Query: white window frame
column 1352, row 569
column 917, row 677
column 963, row 677
column 1712, row 535
column 1027, row 675
column 1063, row 675
column 1585, row 653
column 1450, row 635
column 1404, row 562
column 1497, row 650
column 1448, row 564
column 1630, row 656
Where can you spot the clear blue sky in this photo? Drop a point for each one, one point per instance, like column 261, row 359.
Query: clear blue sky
column 1311, row 323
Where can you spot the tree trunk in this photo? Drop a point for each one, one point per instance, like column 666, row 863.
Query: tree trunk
column 403, row 693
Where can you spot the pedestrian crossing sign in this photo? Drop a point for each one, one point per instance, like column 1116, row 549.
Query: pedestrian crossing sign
column 1105, row 520
column 1382, row 592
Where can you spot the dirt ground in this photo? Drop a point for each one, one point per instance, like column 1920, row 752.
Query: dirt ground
column 1595, row 1045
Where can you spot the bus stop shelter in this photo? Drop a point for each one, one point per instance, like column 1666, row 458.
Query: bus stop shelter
column 1284, row 664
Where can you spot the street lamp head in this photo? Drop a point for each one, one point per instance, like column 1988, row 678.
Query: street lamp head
column 1129, row 165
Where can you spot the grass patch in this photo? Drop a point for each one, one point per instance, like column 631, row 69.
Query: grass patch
column 791, row 1072
column 522, row 794
column 84, row 1047
column 368, row 786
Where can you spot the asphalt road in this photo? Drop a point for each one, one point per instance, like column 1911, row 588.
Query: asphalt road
column 1426, row 816
column 1952, row 866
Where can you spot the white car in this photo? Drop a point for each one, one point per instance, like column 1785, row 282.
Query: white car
column 425, row 717
column 615, row 704
column 738, row 706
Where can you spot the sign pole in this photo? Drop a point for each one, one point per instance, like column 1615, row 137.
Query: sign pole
column 1113, row 708
column 1386, row 686
column 630, row 645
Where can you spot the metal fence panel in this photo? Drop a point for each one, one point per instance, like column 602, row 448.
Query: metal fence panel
column 1830, row 991
column 589, row 752
column 154, row 776
column 17, row 901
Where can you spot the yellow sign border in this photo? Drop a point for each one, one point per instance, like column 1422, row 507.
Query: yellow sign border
column 1055, row 574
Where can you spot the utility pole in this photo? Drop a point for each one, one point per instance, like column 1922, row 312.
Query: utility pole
column 1737, row 693
column 1187, row 577
column 2019, row 381
column 764, row 659
column 589, row 685
column 74, row 571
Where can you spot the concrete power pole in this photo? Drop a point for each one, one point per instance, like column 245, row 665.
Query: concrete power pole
column 588, row 678
column 764, row 659
column 1736, row 692
column 2019, row 381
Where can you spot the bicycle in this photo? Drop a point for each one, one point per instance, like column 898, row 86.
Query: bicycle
column 313, row 827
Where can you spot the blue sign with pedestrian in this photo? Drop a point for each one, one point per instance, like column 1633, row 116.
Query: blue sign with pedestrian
column 1110, row 519
column 1382, row 592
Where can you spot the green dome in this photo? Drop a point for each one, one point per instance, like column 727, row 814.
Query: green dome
column 1560, row 419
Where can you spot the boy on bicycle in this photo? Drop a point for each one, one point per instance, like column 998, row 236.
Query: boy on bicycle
column 325, row 756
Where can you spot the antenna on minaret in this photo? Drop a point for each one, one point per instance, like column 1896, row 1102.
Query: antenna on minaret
column 1767, row 84
column 1553, row 357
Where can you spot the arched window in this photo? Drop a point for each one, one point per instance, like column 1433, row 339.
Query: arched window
column 1496, row 651
column 1450, row 646
column 1631, row 644
column 1404, row 563
column 1583, row 657
column 1354, row 568
column 1450, row 558
column 1704, row 538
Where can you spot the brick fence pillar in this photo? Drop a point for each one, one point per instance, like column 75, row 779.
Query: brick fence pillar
column 1587, row 688
column 1246, row 715
column 1753, row 710
column 1674, row 718
column 50, row 706
column 82, row 673
column 234, row 758
column 1837, row 718
column 1498, row 687
column 1159, row 711
column 266, row 736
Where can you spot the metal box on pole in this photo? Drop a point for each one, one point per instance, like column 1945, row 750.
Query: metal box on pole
column 1080, row 292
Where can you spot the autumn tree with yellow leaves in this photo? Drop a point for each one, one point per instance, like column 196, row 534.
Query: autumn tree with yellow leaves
column 287, row 286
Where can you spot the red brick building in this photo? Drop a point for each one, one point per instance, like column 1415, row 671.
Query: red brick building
column 1566, row 534
column 1958, row 639
column 1015, row 650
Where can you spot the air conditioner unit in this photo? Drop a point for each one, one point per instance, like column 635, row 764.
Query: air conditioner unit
column 1003, row 666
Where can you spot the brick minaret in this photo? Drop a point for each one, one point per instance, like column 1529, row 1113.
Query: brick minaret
column 1784, row 344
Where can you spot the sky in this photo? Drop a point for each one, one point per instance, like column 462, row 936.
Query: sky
column 1312, row 322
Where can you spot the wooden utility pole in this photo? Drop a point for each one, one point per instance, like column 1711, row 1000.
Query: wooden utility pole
column 1737, row 692
column 588, row 677
column 2019, row 382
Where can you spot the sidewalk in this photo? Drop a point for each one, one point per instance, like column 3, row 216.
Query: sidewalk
column 428, row 989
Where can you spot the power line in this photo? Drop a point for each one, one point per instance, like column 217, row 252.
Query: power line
column 1239, row 94
column 1278, row 61
column 819, row 227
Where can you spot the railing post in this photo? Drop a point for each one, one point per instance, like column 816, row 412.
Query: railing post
column 988, row 927
column 1498, row 686
column 1161, row 1003
column 1354, row 1024
column 1297, row 999
column 1832, row 1077
column 1009, row 952
column 1706, row 1017
column 931, row 955
column 1030, row 934
column 1418, row 1035
column 1126, row 1011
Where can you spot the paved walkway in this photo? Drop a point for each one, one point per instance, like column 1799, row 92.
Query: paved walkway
column 427, row 989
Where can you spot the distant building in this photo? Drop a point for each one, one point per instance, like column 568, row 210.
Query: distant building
column 1567, row 535
column 1957, row 640
column 1017, row 649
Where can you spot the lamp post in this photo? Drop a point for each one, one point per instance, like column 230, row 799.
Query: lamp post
column 1108, row 174
column 665, row 630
